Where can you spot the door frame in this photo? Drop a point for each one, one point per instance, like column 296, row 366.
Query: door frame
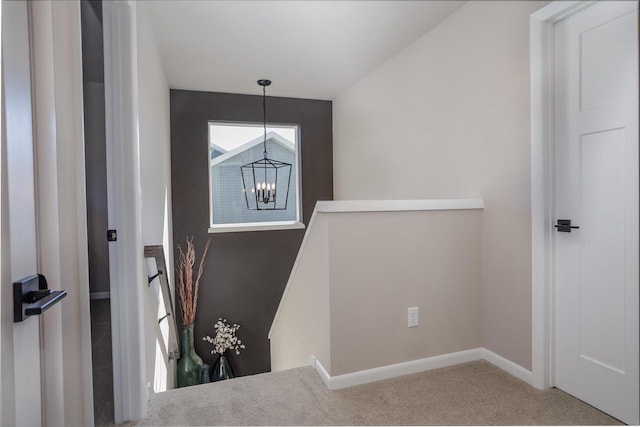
column 541, row 26
column 126, row 255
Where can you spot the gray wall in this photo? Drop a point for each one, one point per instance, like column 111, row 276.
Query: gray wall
column 246, row 272
column 95, row 145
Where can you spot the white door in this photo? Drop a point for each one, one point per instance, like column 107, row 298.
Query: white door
column 45, row 365
column 596, row 176
column 21, row 385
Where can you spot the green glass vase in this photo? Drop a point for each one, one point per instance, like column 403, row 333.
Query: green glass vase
column 190, row 364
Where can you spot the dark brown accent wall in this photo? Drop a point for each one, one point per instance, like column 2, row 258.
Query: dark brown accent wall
column 246, row 272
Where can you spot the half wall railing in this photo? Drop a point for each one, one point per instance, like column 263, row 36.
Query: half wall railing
column 361, row 265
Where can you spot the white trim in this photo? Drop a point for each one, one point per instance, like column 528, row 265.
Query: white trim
column 100, row 295
column 294, row 146
column 216, row 147
column 396, row 370
column 420, row 365
column 541, row 217
column 398, row 205
column 508, row 366
column 6, row 388
column 559, row 10
column 126, row 260
column 542, row 188
column 256, row 226
column 324, row 375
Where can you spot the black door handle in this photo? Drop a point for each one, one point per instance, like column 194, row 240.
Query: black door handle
column 31, row 296
column 564, row 226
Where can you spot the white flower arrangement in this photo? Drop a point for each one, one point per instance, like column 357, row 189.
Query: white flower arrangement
column 225, row 338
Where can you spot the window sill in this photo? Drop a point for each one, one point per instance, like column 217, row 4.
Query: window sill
column 256, row 226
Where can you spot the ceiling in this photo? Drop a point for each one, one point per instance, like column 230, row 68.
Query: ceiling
column 309, row 49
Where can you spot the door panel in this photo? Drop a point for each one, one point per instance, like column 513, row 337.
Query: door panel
column 596, row 174
column 24, row 380
column 606, row 65
column 602, row 182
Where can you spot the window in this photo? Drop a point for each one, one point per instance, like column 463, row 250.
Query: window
column 232, row 145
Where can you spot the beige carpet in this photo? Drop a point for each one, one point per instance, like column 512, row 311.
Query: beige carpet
column 102, row 362
column 474, row 393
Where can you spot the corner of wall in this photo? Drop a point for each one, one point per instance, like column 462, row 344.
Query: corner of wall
column 455, row 103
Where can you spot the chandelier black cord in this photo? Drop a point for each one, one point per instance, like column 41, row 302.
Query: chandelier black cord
column 260, row 178
column 264, row 118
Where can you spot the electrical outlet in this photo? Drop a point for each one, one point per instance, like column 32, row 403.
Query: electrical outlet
column 412, row 317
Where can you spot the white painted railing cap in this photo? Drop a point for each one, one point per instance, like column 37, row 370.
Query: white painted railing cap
column 397, row 205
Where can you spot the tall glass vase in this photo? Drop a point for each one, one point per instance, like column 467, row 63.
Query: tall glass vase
column 190, row 364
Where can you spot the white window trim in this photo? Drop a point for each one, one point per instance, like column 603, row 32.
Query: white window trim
column 260, row 226
column 256, row 226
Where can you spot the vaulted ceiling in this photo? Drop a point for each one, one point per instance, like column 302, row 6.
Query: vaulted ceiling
column 309, row 49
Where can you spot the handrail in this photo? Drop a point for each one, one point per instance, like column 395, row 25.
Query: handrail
column 157, row 252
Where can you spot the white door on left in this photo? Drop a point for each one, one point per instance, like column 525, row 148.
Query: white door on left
column 21, row 381
column 46, row 359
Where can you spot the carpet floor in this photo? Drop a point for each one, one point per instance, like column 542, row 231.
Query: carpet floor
column 475, row 393
column 102, row 362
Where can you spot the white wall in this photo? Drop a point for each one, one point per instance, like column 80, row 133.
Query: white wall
column 448, row 117
column 302, row 325
column 155, row 179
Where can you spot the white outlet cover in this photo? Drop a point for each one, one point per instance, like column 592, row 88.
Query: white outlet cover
column 412, row 317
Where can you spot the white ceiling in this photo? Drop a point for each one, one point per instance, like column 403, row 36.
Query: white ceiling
column 309, row 49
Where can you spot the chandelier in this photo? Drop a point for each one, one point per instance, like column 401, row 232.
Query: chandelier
column 261, row 178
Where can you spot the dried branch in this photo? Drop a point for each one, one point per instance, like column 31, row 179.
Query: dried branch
column 200, row 268
column 187, row 288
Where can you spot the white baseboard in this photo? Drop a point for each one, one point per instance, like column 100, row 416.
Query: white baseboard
column 397, row 370
column 326, row 378
column 508, row 366
column 420, row 365
column 100, row 295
